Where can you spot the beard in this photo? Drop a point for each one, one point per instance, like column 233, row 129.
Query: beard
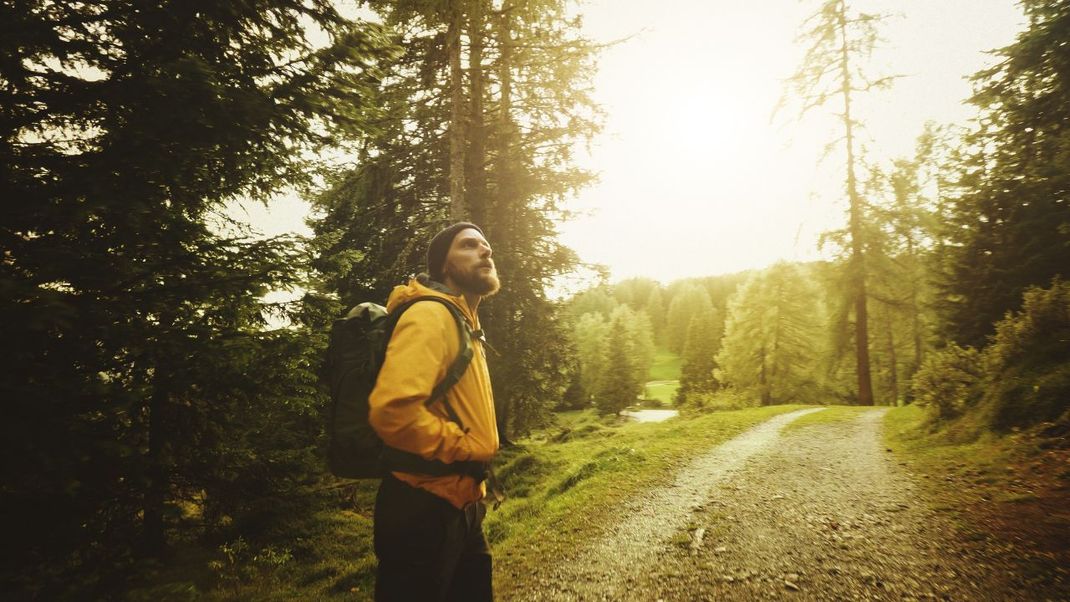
column 476, row 281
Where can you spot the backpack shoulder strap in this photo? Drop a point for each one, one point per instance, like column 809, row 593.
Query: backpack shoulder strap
column 459, row 365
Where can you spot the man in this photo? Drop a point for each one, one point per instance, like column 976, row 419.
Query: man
column 428, row 529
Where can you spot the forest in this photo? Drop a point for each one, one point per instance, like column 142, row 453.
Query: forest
column 168, row 411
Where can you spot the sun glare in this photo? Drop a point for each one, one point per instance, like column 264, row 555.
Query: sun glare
column 696, row 178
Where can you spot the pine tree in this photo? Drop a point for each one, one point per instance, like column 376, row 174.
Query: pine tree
column 138, row 367
column 525, row 103
column 704, row 336
column 690, row 300
column 619, row 387
column 1007, row 224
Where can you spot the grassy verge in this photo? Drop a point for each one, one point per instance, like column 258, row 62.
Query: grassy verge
column 564, row 484
column 567, row 484
column 1007, row 489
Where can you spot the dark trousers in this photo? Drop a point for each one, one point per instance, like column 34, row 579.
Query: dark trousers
column 429, row 550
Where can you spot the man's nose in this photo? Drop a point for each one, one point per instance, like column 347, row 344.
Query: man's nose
column 485, row 250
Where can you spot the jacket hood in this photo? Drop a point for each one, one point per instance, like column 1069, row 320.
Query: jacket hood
column 423, row 286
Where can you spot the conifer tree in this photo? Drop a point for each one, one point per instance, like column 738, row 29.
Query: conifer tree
column 619, row 387
column 589, row 337
column 655, row 309
column 839, row 41
column 1006, row 225
column 139, row 371
column 704, row 336
column 524, row 103
column 689, row 301
column 770, row 338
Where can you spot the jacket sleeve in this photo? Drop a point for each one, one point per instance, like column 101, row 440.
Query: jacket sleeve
column 422, row 347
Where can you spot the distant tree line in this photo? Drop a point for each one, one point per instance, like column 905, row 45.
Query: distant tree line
column 616, row 330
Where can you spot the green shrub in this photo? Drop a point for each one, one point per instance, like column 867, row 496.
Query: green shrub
column 1021, row 378
column 1028, row 361
column 240, row 564
column 948, row 381
column 1038, row 335
column 729, row 398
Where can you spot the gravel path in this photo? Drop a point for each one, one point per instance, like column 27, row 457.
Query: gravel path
column 819, row 513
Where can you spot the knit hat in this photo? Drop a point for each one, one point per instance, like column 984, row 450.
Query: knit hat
column 440, row 247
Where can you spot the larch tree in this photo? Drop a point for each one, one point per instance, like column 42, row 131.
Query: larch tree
column 770, row 338
column 655, row 309
column 640, row 337
column 619, row 386
column 589, row 339
column 839, row 42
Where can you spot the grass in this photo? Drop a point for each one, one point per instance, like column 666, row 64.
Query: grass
column 666, row 366
column 826, row 416
column 664, row 377
column 662, row 391
column 572, row 482
column 565, row 484
column 1011, row 488
column 324, row 554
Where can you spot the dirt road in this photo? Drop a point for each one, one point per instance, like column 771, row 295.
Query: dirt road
column 822, row 512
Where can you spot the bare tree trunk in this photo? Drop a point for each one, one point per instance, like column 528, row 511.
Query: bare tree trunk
column 856, row 265
column 775, row 355
column 458, row 208
column 893, row 361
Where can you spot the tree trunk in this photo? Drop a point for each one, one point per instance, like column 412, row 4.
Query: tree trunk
column 856, row 265
column 153, row 537
column 458, row 208
column 763, row 382
column 476, row 160
column 500, row 211
column 893, row 360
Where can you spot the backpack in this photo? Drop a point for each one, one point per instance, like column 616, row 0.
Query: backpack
column 355, row 353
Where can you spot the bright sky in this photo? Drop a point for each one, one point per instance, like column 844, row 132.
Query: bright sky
column 694, row 177
column 695, row 180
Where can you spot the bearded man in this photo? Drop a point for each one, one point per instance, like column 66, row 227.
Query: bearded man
column 429, row 528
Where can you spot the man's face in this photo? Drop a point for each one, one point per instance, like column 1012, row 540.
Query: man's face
column 469, row 267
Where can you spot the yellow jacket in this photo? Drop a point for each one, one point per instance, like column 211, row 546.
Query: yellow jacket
column 424, row 344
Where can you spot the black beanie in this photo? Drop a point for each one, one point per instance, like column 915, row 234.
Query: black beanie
column 440, row 247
